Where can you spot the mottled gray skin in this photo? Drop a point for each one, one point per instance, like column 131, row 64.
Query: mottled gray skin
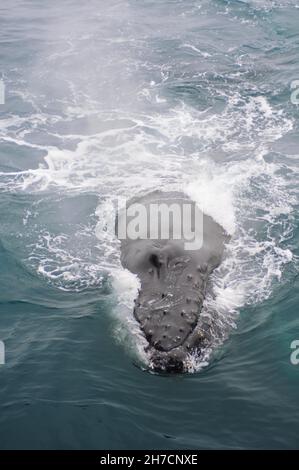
column 173, row 287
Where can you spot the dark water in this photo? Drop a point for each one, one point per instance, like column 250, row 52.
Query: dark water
column 106, row 99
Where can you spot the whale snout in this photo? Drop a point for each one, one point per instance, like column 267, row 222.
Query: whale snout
column 170, row 362
column 168, row 325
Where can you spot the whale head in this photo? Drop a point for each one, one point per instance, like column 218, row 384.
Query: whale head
column 173, row 283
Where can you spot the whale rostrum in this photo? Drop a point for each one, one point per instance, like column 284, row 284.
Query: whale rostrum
column 173, row 280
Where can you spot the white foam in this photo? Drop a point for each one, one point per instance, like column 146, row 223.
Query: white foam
column 196, row 49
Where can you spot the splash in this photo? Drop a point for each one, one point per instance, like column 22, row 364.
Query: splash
column 133, row 124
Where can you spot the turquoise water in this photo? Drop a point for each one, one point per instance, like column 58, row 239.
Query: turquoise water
column 112, row 98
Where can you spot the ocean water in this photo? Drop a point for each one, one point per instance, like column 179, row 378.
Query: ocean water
column 110, row 98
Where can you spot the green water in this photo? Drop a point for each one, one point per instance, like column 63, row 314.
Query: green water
column 112, row 98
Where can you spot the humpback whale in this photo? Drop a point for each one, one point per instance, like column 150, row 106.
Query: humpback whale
column 173, row 282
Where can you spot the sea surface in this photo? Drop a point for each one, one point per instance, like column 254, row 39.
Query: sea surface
column 106, row 99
